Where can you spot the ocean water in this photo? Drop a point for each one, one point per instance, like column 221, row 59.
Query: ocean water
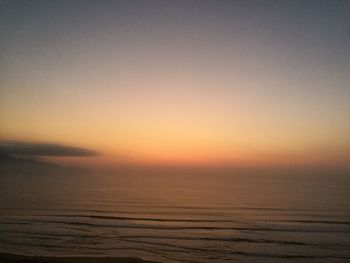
column 178, row 217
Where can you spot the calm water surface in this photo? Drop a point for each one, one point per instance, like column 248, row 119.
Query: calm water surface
column 178, row 217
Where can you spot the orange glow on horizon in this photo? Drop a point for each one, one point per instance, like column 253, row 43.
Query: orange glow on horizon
column 190, row 93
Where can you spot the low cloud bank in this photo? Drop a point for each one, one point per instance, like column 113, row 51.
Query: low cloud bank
column 44, row 149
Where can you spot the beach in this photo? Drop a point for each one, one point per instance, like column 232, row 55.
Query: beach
column 13, row 258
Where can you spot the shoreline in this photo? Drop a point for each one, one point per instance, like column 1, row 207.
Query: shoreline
column 17, row 258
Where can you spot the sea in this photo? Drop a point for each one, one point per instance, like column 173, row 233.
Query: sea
column 172, row 215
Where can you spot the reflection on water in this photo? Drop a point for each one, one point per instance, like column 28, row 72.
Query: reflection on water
column 177, row 217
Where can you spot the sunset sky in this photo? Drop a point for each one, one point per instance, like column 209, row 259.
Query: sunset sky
column 178, row 82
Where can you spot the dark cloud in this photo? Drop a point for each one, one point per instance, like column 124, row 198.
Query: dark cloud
column 43, row 149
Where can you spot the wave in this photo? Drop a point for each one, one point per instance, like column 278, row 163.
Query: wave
column 184, row 249
column 225, row 239
column 143, row 238
column 317, row 222
column 139, row 205
column 148, row 219
column 197, row 220
column 174, row 228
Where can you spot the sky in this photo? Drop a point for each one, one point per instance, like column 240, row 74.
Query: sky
column 177, row 82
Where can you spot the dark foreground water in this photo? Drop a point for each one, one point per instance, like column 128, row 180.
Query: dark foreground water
column 178, row 217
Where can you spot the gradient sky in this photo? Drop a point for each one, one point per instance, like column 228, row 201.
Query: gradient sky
column 179, row 82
